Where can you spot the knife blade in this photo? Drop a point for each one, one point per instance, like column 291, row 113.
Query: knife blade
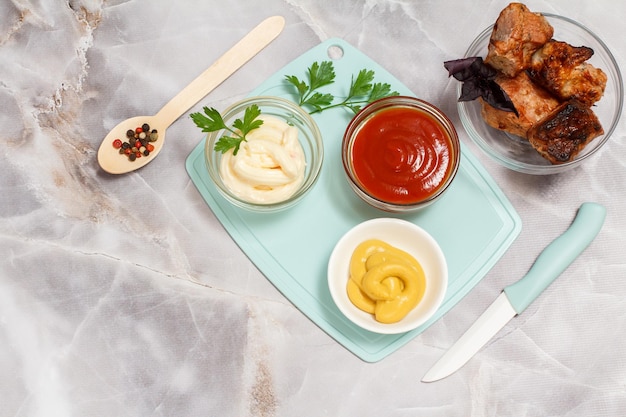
column 515, row 298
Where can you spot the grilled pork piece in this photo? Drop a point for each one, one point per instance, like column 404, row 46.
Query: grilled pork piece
column 561, row 69
column 565, row 132
column 531, row 102
column 516, row 35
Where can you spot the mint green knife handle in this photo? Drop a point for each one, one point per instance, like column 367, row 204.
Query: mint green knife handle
column 557, row 256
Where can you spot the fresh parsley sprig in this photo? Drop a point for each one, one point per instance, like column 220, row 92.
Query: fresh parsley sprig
column 363, row 90
column 212, row 121
column 319, row 75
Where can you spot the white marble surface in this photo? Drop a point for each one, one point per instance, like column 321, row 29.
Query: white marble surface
column 123, row 295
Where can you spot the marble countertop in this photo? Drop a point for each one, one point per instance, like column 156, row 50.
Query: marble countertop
column 124, row 295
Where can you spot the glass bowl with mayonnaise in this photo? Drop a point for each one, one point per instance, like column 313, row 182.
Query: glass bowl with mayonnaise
column 400, row 154
column 278, row 162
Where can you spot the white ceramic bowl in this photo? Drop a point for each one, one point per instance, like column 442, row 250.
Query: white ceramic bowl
column 403, row 235
column 516, row 153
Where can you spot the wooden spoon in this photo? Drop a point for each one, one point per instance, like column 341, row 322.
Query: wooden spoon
column 109, row 157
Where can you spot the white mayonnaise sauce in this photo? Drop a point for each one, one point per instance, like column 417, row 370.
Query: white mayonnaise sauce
column 269, row 166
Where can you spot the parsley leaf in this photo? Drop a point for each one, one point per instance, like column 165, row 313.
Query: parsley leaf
column 212, row 121
column 380, row 90
column 362, row 89
column 227, row 142
column 319, row 75
column 363, row 83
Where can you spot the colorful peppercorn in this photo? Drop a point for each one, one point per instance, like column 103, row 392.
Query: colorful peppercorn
column 138, row 142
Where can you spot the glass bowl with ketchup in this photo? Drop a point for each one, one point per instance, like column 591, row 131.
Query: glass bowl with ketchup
column 400, row 154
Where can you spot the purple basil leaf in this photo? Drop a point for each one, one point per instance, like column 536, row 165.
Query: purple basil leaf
column 457, row 65
column 499, row 99
column 471, row 90
column 485, row 71
column 478, row 81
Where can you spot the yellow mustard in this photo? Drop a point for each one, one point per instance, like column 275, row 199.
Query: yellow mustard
column 385, row 281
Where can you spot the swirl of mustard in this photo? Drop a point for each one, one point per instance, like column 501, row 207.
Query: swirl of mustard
column 385, row 281
column 358, row 270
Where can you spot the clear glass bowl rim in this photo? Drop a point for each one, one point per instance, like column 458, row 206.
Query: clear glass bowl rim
column 543, row 169
column 314, row 166
column 397, row 101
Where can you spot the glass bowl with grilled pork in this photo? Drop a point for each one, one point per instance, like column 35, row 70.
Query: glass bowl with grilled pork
column 540, row 93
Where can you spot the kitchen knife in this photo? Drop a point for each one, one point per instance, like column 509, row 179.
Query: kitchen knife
column 554, row 259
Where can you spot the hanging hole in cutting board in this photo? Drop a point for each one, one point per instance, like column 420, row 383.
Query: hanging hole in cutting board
column 335, row 52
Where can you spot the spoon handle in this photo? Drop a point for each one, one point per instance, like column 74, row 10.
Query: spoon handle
column 257, row 39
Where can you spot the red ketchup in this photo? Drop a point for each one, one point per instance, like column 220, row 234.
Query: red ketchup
column 402, row 155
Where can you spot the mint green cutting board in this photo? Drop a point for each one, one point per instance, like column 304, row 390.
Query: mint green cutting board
column 474, row 223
